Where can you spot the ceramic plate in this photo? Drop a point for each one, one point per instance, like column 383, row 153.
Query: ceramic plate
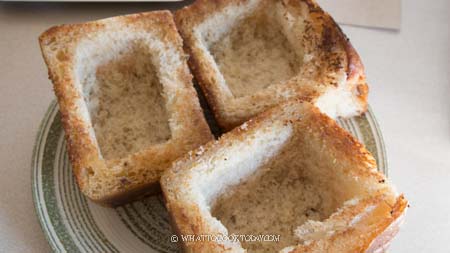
column 72, row 223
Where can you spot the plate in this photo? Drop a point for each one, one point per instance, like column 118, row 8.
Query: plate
column 72, row 223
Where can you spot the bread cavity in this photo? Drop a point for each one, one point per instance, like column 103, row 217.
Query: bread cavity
column 294, row 187
column 255, row 53
column 127, row 105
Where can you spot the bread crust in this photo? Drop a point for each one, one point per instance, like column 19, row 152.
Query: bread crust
column 95, row 175
column 364, row 232
column 373, row 236
column 332, row 43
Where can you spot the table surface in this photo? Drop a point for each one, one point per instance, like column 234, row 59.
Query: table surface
column 408, row 73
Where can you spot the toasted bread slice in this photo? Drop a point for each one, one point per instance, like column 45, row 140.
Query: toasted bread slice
column 126, row 99
column 290, row 172
column 249, row 55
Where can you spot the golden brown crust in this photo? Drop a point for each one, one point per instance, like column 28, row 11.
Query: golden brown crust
column 186, row 21
column 373, row 231
column 190, row 17
column 211, row 98
column 389, row 228
column 131, row 194
column 346, row 145
column 371, row 234
column 337, row 138
column 58, row 45
column 355, row 69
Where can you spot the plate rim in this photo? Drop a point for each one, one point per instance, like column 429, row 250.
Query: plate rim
column 36, row 203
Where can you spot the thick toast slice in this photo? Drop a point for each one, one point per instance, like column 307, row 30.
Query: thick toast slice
column 127, row 102
column 290, row 172
column 249, row 55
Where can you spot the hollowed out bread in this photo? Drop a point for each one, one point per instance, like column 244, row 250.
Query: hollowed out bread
column 249, row 55
column 291, row 171
column 126, row 99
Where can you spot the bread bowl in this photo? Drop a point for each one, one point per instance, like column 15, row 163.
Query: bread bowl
column 291, row 171
column 249, row 55
column 127, row 102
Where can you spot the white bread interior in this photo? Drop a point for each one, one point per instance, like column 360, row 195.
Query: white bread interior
column 250, row 55
column 290, row 172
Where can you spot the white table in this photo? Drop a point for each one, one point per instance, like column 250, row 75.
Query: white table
column 408, row 73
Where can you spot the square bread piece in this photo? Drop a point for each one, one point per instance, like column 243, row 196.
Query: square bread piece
column 291, row 171
column 127, row 102
column 249, row 55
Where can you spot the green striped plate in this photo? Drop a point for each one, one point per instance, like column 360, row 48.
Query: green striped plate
column 72, row 223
